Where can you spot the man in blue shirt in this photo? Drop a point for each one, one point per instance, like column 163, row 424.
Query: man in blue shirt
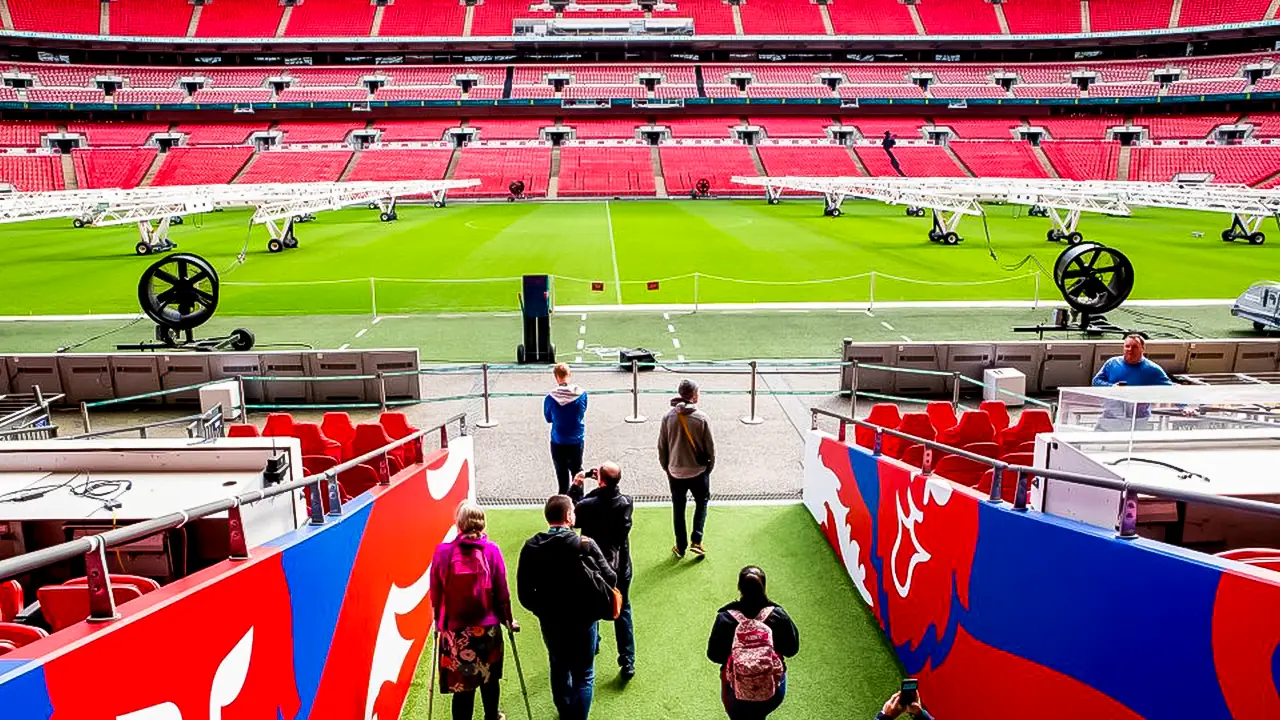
column 565, row 407
column 1131, row 368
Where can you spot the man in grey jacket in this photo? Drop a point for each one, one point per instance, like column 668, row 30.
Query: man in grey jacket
column 687, row 453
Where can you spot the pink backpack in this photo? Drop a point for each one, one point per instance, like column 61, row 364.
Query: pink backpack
column 467, row 587
column 754, row 670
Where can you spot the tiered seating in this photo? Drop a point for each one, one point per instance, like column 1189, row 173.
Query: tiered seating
column 226, row 97
column 958, row 17
column 326, row 77
column 903, row 90
column 497, row 17
column 21, row 133
column 400, row 165
column 323, row 95
column 980, row 128
column 220, row 133
column 870, row 17
column 787, row 91
column 701, row 127
column 1265, row 125
column 239, row 18
column 794, row 127
column 1235, row 164
column 519, row 92
column 605, row 92
column 510, row 128
column 1083, row 160
column 1177, row 127
column 1046, row 91
column 66, row 95
column 999, row 159
column 272, row 167
column 1268, row 84
column 1197, row 13
column 916, row 161
column 1137, row 89
column 875, row 127
column 31, row 172
column 720, row 91
column 1230, row 86
column 683, row 166
column 414, row 130
column 116, row 134
column 587, row 170
column 400, row 92
column 1112, row 15
column 147, row 96
column 8, row 94
column 611, row 129
column 1087, row 127
column 780, row 17
column 710, row 17
column 808, row 161
column 164, row 18
column 114, row 168
column 1042, row 17
column 497, row 168
column 55, row 16
column 423, row 17
column 330, row 18
column 967, row 91
column 317, row 132
column 201, row 166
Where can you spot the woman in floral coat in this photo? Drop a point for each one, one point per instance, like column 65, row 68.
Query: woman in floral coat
column 471, row 602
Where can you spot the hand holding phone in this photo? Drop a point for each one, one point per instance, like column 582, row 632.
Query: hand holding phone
column 909, row 694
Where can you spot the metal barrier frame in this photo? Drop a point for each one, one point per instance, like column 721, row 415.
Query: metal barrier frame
column 1127, row 519
column 93, row 548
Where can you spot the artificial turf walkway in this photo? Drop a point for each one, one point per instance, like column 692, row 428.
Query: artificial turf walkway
column 844, row 669
column 51, row 268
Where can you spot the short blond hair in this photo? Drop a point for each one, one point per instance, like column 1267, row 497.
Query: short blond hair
column 561, row 371
column 469, row 518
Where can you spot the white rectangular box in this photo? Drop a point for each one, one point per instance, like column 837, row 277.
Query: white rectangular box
column 1008, row 380
column 226, row 393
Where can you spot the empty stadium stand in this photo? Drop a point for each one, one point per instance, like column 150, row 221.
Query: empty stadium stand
column 1114, row 15
column 112, row 168
column 605, row 170
column 239, row 18
column 1236, row 164
column 150, row 17
column 273, row 167
column 31, row 173
column 423, row 17
column 18, row 133
column 958, row 17
column 780, row 17
column 219, row 133
column 808, row 160
column 684, row 165
column 870, row 17
column 498, row 167
column 399, row 165
column 1083, row 160
column 999, row 159
column 916, row 161
column 1039, row 17
column 201, row 165
column 330, row 18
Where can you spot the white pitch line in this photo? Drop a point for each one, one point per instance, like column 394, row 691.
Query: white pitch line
column 377, row 320
column 680, row 358
column 886, row 326
column 671, row 328
column 904, row 337
column 666, row 316
column 584, row 316
column 582, row 329
column 613, row 252
column 361, row 333
column 676, row 342
column 581, row 343
column 577, row 358
column 869, row 313
column 344, row 346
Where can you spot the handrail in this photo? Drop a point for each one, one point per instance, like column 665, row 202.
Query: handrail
column 140, row 429
column 1128, row 488
column 96, row 544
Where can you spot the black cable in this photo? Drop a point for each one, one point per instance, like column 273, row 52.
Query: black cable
column 99, row 336
column 107, row 492
column 28, row 494
column 1011, row 268
column 1183, row 473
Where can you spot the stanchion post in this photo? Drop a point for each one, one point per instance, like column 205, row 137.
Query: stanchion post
column 636, row 417
column 871, row 297
column 695, row 293
column 373, row 297
column 955, row 391
column 244, row 401
column 484, row 392
column 84, row 416
column 382, row 393
column 1035, row 303
column 853, row 390
column 753, row 419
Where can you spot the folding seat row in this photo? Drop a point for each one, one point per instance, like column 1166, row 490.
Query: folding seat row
column 67, row 604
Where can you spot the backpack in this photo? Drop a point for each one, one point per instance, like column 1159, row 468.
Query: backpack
column 755, row 669
column 467, row 587
column 605, row 600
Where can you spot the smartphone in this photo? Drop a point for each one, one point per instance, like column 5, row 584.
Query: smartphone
column 908, row 693
column 593, row 473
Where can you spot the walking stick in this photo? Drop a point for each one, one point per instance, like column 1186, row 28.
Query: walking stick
column 524, row 689
column 435, row 661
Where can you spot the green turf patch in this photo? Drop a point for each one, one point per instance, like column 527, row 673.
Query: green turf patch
column 467, row 257
column 844, row 669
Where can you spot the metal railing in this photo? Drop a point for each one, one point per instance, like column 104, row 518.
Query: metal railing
column 1128, row 514
column 32, row 432
column 206, row 425
column 93, row 547
column 25, row 410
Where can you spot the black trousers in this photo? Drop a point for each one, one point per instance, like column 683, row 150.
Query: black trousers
column 568, row 462
column 700, row 488
column 464, row 703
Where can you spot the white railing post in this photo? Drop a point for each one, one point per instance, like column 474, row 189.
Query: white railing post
column 753, row 419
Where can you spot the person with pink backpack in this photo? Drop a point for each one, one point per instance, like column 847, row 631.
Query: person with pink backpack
column 749, row 641
column 472, row 603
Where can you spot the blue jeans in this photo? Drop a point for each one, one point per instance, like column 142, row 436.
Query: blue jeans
column 624, row 628
column 571, row 651
column 745, row 710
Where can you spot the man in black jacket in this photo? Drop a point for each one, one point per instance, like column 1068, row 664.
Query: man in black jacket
column 605, row 516
column 551, row 583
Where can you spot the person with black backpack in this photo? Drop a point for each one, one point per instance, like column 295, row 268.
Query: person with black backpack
column 604, row 515
column 472, row 603
column 749, row 640
column 569, row 585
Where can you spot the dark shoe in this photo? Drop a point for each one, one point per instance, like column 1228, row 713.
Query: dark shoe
column 628, row 671
column 698, row 550
column 675, row 550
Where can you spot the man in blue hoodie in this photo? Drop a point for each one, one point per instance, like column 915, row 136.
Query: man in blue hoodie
column 565, row 407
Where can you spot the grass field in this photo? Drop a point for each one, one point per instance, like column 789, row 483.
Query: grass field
column 476, row 251
column 844, row 669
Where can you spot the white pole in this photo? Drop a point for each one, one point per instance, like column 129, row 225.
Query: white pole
column 871, row 301
column 373, row 297
column 695, row 293
column 1036, row 303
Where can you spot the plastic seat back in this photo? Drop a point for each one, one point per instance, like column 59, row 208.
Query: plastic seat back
column 997, row 412
column 973, row 427
column 961, row 470
column 314, row 442
column 397, row 426
column 885, row 415
column 1030, row 423
column 942, row 415
column 1008, row 485
column 337, row 427
column 144, row 585
column 1243, row 554
column 10, row 599
column 913, row 423
column 6, row 647
column 358, row 479
column 278, row 425
column 314, row 465
column 242, row 431
column 1023, row 459
column 985, row 449
column 66, row 605
column 20, row 635
column 370, row 437
column 913, row 455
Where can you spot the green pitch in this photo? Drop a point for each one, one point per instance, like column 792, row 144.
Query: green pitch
column 466, row 257
column 845, row 668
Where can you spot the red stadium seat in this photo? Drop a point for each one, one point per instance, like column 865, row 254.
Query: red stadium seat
column 913, row 423
column 997, row 412
column 19, row 635
column 1008, row 485
column 359, row 479
column 1030, row 423
column 961, row 470
column 242, row 431
column 315, row 443
column 1019, row 458
column 314, row 465
column 883, row 414
column 985, row 449
column 6, row 647
column 10, row 600
column 370, row 437
column 1243, row 554
column 974, row 427
column 942, row 414
column 397, row 426
column 66, row 605
column 337, row 427
column 913, row 455
column 1271, row 563
column 278, row 425
column 143, row 585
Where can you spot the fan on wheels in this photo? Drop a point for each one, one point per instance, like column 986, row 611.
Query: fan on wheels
column 1093, row 278
column 180, row 293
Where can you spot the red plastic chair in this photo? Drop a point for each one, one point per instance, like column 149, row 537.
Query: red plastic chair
column 66, row 605
column 1026, row 447
column 278, row 425
column 10, row 600
column 916, row 424
column 942, row 415
column 1272, row 563
column 20, row 635
column 1008, row 485
column 985, row 449
column 914, row 455
column 961, row 470
column 337, row 427
column 997, row 412
column 314, row 465
column 371, row 437
column 1023, row 459
column 144, row 585
column 974, row 427
column 243, row 431
column 358, row 479
column 397, row 426
column 6, row 647
column 314, row 442
column 883, row 414
column 1031, row 422
column 1243, row 554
